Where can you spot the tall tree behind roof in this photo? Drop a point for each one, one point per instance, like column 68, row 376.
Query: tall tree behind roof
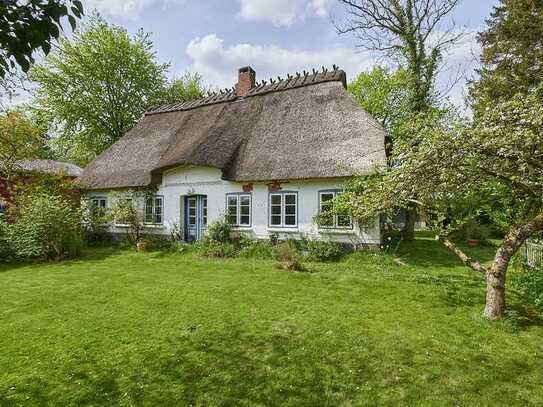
column 95, row 87
column 412, row 33
column 512, row 56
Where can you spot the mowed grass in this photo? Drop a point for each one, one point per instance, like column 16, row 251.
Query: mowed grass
column 156, row 329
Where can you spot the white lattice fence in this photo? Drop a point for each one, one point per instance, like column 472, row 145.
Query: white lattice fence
column 534, row 253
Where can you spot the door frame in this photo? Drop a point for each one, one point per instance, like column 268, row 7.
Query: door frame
column 195, row 231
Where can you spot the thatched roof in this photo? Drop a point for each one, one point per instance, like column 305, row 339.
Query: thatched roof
column 52, row 167
column 302, row 127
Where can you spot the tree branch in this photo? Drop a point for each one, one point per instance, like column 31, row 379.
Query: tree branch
column 467, row 260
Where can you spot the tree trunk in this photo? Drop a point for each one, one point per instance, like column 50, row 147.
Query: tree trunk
column 495, row 277
column 408, row 232
column 495, row 294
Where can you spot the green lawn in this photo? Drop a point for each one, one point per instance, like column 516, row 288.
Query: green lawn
column 121, row 328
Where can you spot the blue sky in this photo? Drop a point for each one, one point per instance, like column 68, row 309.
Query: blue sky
column 276, row 37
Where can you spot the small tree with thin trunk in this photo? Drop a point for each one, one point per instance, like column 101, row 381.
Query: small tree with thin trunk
column 459, row 171
column 414, row 34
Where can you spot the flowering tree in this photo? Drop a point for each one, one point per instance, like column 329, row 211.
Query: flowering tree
column 458, row 172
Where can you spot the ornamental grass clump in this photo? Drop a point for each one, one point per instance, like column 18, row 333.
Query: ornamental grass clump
column 289, row 257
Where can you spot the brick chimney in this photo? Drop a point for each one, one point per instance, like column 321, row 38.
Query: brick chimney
column 246, row 81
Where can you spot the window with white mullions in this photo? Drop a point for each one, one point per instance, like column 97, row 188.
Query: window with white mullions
column 284, row 209
column 329, row 220
column 99, row 204
column 154, row 210
column 204, row 210
column 238, row 209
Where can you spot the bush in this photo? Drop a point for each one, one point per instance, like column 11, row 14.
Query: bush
column 219, row 231
column 95, row 225
column 158, row 242
column 289, row 257
column 5, row 252
column 215, row 249
column 257, row 249
column 324, row 251
column 47, row 227
column 530, row 286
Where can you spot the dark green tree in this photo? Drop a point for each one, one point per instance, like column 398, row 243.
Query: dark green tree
column 26, row 26
column 512, row 53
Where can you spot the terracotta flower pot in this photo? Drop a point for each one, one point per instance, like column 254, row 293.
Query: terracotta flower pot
column 141, row 247
column 473, row 242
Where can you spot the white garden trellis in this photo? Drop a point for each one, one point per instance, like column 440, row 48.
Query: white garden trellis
column 534, row 253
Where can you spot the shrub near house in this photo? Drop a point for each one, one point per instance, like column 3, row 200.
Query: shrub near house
column 46, row 227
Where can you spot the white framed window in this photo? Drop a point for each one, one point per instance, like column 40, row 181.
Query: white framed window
column 154, row 210
column 204, row 210
column 332, row 221
column 98, row 204
column 283, row 209
column 238, row 209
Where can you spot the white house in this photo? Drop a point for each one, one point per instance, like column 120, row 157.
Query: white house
column 267, row 156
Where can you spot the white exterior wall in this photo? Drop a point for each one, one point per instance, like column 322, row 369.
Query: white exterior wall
column 182, row 181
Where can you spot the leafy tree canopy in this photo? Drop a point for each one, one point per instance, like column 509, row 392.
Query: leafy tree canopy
column 512, row 52
column 181, row 89
column 384, row 94
column 94, row 88
column 26, row 26
column 19, row 140
column 457, row 171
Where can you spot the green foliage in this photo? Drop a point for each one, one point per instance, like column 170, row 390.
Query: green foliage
column 26, row 27
column 94, row 223
column 412, row 34
column 5, row 249
column 127, row 209
column 181, row 89
column 512, row 53
column 47, row 227
column 216, row 249
column 155, row 242
column 474, row 230
column 219, row 231
column 19, row 140
column 384, row 94
column 289, row 257
column 459, row 172
column 96, row 86
column 530, row 285
column 257, row 249
column 321, row 250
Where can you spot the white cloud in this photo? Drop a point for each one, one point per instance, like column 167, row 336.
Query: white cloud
column 218, row 63
column 282, row 12
column 125, row 8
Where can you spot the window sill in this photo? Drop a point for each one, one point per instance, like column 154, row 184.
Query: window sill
column 153, row 226
column 241, row 228
column 144, row 226
column 337, row 231
column 283, row 230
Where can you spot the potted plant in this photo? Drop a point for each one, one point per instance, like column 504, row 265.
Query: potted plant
column 141, row 246
column 475, row 234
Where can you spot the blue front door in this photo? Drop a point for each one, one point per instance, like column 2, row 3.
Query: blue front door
column 195, row 217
